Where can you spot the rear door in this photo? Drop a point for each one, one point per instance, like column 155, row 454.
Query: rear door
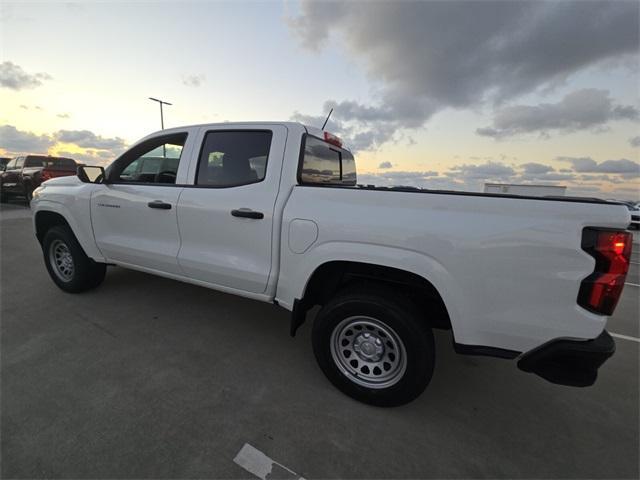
column 134, row 214
column 226, row 216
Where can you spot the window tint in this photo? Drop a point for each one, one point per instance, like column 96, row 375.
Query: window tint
column 50, row 163
column 231, row 158
column 154, row 161
column 33, row 162
column 323, row 163
column 12, row 164
column 60, row 164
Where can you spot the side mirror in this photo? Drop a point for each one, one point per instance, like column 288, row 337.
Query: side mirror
column 90, row 174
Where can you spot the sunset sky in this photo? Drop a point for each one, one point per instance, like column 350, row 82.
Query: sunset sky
column 435, row 94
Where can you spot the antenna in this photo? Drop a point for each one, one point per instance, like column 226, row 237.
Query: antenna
column 327, row 119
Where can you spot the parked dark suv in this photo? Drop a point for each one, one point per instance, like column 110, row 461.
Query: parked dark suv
column 23, row 174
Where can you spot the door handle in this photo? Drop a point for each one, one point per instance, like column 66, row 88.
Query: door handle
column 159, row 204
column 247, row 213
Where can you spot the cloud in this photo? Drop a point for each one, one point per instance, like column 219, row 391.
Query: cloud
column 90, row 157
column 427, row 56
column 588, row 108
column 536, row 168
column 385, row 165
column 635, row 141
column 12, row 76
column 193, row 80
column 34, row 107
column 97, row 149
column 589, row 165
column 357, row 136
column 607, row 179
column 88, row 139
column 18, row 141
column 63, row 115
column 483, row 171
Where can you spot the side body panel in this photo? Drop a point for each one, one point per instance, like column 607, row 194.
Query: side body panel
column 508, row 270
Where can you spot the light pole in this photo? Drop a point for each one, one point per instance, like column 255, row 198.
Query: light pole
column 161, row 102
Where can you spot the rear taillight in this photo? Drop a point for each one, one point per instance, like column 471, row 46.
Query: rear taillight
column 45, row 175
column 600, row 291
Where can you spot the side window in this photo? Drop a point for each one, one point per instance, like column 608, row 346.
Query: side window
column 19, row 163
column 154, row 161
column 233, row 158
column 12, row 164
column 33, row 162
column 326, row 164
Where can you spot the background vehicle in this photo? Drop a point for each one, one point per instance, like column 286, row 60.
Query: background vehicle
column 3, row 162
column 272, row 211
column 634, row 209
column 23, row 174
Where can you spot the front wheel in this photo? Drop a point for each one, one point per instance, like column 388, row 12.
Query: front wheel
column 28, row 192
column 67, row 264
column 374, row 347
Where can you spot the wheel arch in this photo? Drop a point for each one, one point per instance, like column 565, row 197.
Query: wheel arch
column 406, row 276
column 44, row 220
column 50, row 214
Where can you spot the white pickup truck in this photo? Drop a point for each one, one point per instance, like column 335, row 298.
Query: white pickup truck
column 273, row 212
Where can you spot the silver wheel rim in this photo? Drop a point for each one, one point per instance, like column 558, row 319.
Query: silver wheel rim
column 368, row 352
column 61, row 260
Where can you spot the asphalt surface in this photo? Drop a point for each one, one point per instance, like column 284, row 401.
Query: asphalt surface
column 151, row 378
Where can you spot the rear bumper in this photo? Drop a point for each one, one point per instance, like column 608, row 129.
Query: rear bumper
column 569, row 362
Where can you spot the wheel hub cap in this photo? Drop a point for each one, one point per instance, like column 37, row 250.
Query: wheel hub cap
column 61, row 260
column 368, row 352
column 369, row 347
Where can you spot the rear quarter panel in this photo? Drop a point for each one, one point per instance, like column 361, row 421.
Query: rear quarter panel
column 508, row 270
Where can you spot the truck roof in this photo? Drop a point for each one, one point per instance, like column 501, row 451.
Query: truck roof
column 312, row 130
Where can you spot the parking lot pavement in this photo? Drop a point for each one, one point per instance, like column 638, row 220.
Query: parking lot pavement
column 147, row 377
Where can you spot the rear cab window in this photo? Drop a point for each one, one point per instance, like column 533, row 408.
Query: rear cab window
column 50, row 163
column 323, row 163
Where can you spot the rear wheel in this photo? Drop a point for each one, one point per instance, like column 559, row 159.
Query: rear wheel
column 67, row 264
column 374, row 347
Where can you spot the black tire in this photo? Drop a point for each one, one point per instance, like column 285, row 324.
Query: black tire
column 28, row 192
column 389, row 310
column 84, row 273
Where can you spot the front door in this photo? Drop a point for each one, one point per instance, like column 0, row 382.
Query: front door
column 134, row 214
column 226, row 217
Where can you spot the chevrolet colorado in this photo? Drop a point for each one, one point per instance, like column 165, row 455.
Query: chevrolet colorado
column 273, row 212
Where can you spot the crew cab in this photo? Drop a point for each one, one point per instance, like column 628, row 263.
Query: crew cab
column 22, row 175
column 273, row 212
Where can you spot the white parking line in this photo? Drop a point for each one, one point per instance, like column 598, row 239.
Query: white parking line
column 632, row 284
column 625, row 337
column 260, row 465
